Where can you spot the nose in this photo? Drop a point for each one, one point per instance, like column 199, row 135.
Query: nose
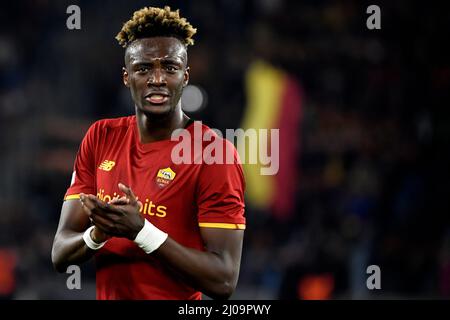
column 156, row 78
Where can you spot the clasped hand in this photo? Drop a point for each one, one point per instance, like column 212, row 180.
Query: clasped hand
column 119, row 217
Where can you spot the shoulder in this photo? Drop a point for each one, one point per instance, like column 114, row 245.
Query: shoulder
column 113, row 123
column 221, row 169
column 110, row 125
column 217, row 148
column 202, row 132
column 215, row 139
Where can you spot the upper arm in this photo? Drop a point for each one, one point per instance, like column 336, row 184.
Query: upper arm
column 224, row 242
column 72, row 222
column 227, row 244
column 220, row 200
column 73, row 218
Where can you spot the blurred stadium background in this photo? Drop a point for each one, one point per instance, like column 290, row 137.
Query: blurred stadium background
column 365, row 137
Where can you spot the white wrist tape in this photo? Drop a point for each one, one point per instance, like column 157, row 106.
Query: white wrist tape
column 150, row 237
column 91, row 243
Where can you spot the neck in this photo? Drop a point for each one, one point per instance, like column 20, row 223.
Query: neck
column 155, row 128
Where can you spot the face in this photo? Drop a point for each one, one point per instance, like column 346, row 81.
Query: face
column 156, row 73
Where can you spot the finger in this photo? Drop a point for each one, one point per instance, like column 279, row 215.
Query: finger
column 101, row 205
column 86, row 202
column 110, row 212
column 102, row 228
column 96, row 200
column 119, row 201
column 86, row 210
column 128, row 192
column 114, row 199
column 104, row 224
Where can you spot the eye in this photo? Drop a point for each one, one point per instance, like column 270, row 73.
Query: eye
column 171, row 68
column 142, row 69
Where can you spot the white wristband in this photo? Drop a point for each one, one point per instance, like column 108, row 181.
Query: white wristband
column 150, row 237
column 91, row 243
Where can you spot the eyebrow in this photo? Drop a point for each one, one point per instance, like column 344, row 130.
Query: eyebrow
column 163, row 61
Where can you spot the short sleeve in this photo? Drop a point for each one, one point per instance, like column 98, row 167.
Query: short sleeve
column 83, row 175
column 220, row 197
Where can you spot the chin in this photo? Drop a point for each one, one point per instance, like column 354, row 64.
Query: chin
column 156, row 111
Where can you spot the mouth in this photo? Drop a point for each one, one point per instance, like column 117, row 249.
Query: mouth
column 157, row 98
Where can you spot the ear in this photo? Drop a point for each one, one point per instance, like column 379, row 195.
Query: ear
column 125, row 77
column 186, row 77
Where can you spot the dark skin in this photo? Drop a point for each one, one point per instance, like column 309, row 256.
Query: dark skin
column 156, row 72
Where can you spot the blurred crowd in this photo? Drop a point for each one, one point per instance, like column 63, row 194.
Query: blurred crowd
column 372, row 163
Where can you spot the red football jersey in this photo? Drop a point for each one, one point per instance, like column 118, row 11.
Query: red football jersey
column 179, row 199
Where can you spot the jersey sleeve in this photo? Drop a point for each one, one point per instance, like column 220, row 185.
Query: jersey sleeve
column 220, row 196
column 83, row 175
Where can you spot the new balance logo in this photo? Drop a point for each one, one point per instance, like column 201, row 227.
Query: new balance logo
column 106, row 165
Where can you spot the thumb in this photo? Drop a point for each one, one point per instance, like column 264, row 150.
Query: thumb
column 128, row 192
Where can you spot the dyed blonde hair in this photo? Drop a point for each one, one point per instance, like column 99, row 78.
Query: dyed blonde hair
column 153, row 22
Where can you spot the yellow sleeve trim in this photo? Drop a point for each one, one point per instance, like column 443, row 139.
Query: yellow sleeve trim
column 222, row 225
column 72, row 196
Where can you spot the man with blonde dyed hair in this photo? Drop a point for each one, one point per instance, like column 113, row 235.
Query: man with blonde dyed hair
column 157, row 230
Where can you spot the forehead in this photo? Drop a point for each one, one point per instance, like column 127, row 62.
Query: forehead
column 155, row 48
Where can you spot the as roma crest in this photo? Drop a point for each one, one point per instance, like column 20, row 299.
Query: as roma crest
column 164, row 177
